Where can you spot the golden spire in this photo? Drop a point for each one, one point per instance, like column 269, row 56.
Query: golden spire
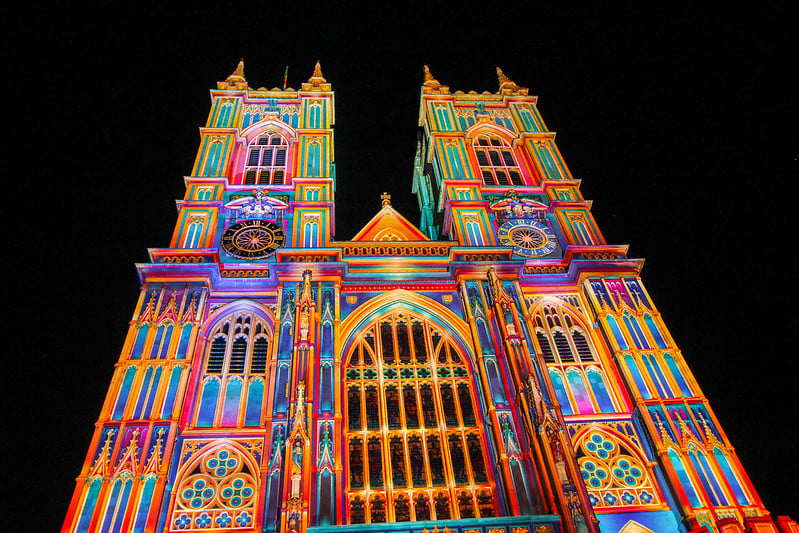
column 386, row 199
column 235, row 80
column 238, row 74
column 317, row 74
column 505, row 83
column 317, row 81
column 429, row 80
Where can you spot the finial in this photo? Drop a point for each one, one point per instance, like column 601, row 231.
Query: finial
column 317, row 81
column 429, row 80
column 238, row 74
column 234, row 81
column 386, row 198
column 505, row 82
column 317, row 77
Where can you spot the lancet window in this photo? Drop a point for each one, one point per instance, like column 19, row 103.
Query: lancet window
column 234, row 374
column 496, row 161
column 266, row 160
column 575, row 370
column 414, row 441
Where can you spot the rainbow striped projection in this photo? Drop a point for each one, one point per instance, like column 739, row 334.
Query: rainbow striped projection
column 497, row 368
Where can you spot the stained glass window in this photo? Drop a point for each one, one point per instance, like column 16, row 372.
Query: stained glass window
column 416, row 450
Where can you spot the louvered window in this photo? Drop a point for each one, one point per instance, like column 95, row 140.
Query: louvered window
column 496, row 161
column 266, row 160
column 546, row 349
column 564, row 350
column 216, row 357
column 583, row 350
column 259, row 353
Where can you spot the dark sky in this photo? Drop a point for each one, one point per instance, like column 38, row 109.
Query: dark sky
column 679, row 120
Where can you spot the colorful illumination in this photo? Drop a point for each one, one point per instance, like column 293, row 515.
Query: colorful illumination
column 514, row 378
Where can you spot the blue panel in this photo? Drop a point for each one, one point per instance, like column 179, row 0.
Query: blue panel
column 637, row 377
column 88, row 506
column 171, row 393
column 255, row 400
column 144, row 508
column 183, row 345
column 138, row 346
column 208, row 403
column 124, row 391
column 230, row 412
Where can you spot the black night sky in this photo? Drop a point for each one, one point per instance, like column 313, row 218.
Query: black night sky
column 680, row 121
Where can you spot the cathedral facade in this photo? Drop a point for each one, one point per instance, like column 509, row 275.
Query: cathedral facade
column 497, row 368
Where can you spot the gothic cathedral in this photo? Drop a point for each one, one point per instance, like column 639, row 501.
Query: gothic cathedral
column 498, row 368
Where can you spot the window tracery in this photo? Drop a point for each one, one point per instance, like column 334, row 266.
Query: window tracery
column 414, row 446
column 613, row 473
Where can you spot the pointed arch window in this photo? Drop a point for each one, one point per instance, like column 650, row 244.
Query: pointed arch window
column 266, row 160
column 194, row 232
column 414, row 438
column 233, row 382
column 577, row 374
column 496, row 161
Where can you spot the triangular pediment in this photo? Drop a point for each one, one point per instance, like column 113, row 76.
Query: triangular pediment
column 389, row 225
column 634, row 527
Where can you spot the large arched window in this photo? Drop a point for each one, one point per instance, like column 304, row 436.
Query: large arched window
column 576, row 372
column 232, row 384
column 266, row 160
column 415, row 448
column 496, row 161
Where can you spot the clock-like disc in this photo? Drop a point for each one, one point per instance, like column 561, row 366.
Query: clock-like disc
column 253, row 239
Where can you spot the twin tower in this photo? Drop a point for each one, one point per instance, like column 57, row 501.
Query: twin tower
column 497, row 368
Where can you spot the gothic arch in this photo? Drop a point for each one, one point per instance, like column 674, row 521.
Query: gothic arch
column 414, row 440
column 251, row 132
column 241, row 304
column 490, row 128
column 370, row 310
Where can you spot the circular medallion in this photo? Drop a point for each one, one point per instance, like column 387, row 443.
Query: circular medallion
column 527, row 237
column 253, row 239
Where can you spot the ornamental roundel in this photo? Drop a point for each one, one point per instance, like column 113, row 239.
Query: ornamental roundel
column 220, row 492
column 253, row 239
column 612, row 474
column 528, row 237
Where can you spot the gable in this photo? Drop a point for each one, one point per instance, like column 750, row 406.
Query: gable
column 389, row 225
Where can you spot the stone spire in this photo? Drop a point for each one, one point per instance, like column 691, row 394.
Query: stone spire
column 505, row 83
column 429, row 80
column 317, row 81
column 235, row 80
column 431, row 85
